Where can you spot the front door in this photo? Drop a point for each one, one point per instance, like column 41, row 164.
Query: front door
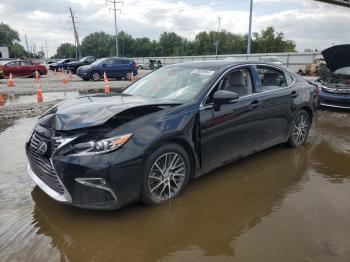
column 233, row 130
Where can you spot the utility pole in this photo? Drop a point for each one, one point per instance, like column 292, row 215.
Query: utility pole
column 76, row 36
column 217, row 36
column 47, row 50
column 250, row 28
column 114, row 2
column 27, row 45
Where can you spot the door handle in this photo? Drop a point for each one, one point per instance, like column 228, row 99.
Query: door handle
column 294, row 94
column 255, row 104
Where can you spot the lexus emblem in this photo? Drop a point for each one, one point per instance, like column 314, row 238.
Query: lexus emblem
column 42, row 148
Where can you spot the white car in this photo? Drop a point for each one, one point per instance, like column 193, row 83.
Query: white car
column 271, row 59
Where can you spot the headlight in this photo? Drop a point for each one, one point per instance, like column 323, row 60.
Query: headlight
column 100, row 146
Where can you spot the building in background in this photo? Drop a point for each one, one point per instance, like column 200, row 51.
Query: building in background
column 4, row 52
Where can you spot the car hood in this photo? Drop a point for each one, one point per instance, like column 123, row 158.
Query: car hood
column 337, row 57
column 93, row 110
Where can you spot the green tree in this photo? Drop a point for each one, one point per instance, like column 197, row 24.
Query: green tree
column 16, row 50
column 7, row 35
column 170, row 43
column 65, row 50
column 269, row 41
column 41, row 54
column 98, row 44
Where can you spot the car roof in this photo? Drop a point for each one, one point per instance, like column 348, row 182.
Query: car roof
column 219, row 64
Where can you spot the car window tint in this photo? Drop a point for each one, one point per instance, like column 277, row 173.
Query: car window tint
column 25, row 63
column 289, row 79
column 271, row 78
column 238, row 81
column 15, row 63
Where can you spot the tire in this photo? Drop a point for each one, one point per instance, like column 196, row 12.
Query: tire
column 139, row 67
column 33, row 74
column 95, row 76
column 154, row 190
column 300, row 129
column 128, row 76
column 59, row 69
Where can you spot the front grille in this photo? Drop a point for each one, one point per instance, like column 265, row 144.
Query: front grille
column 41, row 165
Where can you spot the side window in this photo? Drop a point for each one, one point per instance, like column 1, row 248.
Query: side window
column 238, row 81
column 289, row 79
column 12, row 64
column 271, row 78
column 26, row 63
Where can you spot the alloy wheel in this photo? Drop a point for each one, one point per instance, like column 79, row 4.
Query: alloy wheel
column 96, row 76
column 167, row 176
column 300, row 129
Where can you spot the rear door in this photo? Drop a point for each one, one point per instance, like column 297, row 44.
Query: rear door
column 27, row 68
column 234, row 130
column 276, row 94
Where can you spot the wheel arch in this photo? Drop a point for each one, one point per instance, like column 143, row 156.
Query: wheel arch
column 310, row 112
column 184, row 144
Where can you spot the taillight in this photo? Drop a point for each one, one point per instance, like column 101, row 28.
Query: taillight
column 135, row 66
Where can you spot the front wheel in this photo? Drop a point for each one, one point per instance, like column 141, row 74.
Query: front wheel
column 300, row 129
column 166, row 174
column 96, row 76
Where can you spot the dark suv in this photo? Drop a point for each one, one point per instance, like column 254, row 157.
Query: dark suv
column 73, row 66
column 114, row 67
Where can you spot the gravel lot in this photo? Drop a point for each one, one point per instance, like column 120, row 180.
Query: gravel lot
column 11, row 107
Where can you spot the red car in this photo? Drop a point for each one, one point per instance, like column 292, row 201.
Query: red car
column 22, row 68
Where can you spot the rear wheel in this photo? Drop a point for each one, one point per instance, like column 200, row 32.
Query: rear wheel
column 59, row 69
column 34, row 73
column 96, row 76
column 300, row 129
column 166, row 174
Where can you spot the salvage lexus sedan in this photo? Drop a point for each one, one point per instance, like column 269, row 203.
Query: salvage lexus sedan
column 108, row 150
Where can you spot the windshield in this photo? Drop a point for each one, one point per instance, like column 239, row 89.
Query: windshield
column 172, row 83
column 83, row 59
column 61, row 61
column 98, row 61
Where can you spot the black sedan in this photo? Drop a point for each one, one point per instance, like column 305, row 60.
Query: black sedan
column 177, row 123
column 74, row 65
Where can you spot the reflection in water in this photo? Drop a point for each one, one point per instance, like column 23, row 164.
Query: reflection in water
column 235, row 212
column 213, row 212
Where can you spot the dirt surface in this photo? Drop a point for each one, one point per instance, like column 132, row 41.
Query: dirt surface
column 27, row 87
column 281, row 204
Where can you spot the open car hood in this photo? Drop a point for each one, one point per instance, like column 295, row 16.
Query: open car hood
column 92, row 110
column 337, row 57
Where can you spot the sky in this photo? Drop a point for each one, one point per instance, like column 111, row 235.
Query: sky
column 309, row 23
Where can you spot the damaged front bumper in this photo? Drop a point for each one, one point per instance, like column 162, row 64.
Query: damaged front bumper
column 335, row 100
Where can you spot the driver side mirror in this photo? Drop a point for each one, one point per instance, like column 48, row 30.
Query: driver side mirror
column 223, row 97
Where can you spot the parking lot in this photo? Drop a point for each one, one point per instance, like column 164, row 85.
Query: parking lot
column 21, row 100
column 281, row 204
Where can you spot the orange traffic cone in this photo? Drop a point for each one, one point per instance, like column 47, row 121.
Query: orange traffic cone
column 105, row 79
column 132, row 78
column 70, row 75
column 37, row 76
column 39, row 95
column 10, row 82
column 64, row 79
column 2, row 100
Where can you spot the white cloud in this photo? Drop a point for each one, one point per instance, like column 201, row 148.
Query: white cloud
column 310, row 23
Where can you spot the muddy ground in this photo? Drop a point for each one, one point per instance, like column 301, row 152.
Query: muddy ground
column 281, row 204
column 21, row 101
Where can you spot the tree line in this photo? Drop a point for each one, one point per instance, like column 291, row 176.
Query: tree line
column 101, row 44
